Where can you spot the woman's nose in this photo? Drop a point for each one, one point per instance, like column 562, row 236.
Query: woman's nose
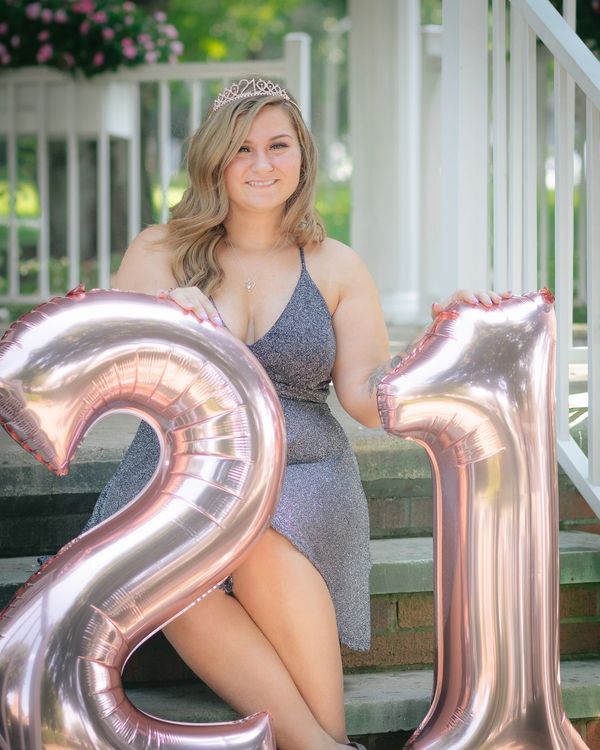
column 262, row 160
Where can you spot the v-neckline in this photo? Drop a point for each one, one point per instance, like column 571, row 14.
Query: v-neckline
column 281, row 314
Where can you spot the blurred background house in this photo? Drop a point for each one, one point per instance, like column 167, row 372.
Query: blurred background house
column 458, row 142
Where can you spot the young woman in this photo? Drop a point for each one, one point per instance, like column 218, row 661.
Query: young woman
column 246, row 248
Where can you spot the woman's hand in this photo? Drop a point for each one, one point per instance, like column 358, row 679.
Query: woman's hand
column 463, row 295
column 192, row 299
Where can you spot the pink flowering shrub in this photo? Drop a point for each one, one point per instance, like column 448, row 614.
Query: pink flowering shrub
column 84, row 36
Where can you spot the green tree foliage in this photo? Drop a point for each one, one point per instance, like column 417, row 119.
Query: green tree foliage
column 233, row 30
column 242, row 30
column 588, row 23
column 213, row 30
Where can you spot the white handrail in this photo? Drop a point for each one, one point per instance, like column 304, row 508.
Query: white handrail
column 103, row 161
column 574, row 64
column 208, row 71
column 42, row 176
column 515, row 155
column 500, row 141
column 593, row 282
column 73, row 183
column 13, row 241
column 530, row 130
column 568, row 49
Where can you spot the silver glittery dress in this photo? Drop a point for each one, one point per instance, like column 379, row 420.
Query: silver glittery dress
column 322, row 510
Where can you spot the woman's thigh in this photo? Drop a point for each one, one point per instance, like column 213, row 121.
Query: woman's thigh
column 272, row 646
column 221, row 643
column 288, row 599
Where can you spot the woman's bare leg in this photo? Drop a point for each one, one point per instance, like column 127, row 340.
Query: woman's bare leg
column 289, row 601
column 281, row 654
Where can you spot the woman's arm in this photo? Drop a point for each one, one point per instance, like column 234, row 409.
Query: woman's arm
column 362, row 345
column 146, row 267
column 363, row 356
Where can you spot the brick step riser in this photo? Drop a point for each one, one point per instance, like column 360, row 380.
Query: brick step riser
column 402, row 637
column 398, row 740
column 35, row 525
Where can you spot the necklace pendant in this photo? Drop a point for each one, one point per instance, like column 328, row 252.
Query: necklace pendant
column 249, row 284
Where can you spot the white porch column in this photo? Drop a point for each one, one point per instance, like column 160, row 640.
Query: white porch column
column 464, row 181
column 384, row 128
column 431, row 160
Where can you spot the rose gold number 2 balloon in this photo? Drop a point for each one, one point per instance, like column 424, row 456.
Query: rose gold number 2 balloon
column 67, row 634
column 477, row 394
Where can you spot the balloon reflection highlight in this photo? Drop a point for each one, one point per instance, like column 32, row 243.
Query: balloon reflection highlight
column 67, row 634
column 477, row 393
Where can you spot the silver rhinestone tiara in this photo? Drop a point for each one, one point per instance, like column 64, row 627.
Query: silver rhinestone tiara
column 248, row 87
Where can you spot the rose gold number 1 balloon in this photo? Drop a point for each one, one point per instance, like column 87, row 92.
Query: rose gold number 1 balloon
column 478, row 394
column 66, row 636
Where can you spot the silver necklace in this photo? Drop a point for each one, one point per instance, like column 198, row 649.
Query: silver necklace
column 251, row 279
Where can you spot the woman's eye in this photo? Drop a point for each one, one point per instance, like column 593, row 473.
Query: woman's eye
column 244, row 150
column 279, row 145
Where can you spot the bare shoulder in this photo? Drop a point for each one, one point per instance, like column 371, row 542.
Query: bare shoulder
column 337, row 270
column 153, row 239
column 341, row 263
column 339, row 258
column 146, row 265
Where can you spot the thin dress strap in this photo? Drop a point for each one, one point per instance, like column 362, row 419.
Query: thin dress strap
column 302, row 258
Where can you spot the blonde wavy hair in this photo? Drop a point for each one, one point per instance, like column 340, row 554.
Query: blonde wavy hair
column 196, row 225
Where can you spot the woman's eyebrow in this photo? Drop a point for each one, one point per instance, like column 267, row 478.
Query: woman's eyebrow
column 273, row 138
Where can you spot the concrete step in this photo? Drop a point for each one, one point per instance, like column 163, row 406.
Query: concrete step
column 399, row 565
column 376, row 702
column 40, row 512
column 401, row 608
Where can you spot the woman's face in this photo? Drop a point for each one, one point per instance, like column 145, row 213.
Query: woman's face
column 266, row 170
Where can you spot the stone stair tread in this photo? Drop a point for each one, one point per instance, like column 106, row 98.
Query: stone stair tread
column 110, row 436
column 399, row 565
column 406, row 565
column 376, row 702
column 16, row 570
column 379, row 456
column 382, row 459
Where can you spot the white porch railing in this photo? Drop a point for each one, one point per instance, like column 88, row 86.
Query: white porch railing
column 574, row 66
column 523, row 135
column 47, row 105
column 515, row 258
